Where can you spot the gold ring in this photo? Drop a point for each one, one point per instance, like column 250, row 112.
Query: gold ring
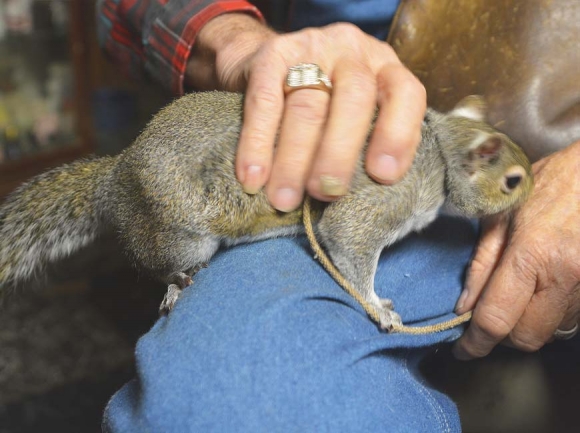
column 307, row 76
column 566, row 335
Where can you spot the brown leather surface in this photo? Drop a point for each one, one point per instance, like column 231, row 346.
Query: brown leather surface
column 522, row 55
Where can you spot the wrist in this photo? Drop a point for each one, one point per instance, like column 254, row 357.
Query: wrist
column 221, row 50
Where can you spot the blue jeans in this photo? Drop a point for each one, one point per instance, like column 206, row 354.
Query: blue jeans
column 266, row 341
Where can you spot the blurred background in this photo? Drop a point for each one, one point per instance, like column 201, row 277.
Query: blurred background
column 60, row 99
column 65, row 350
column 68, row 348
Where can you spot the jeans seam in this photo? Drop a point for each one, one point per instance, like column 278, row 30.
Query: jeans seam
column 435, row 406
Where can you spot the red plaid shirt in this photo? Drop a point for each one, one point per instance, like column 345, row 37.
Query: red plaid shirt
column 157, row 35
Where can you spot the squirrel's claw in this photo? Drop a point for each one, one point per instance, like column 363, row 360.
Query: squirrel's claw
column 182, row 280
column 169, row 300
column 388, row 318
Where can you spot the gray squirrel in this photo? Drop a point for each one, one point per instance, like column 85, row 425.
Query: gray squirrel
column 173, row 198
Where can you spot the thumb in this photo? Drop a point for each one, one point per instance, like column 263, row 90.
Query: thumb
column 490, row 248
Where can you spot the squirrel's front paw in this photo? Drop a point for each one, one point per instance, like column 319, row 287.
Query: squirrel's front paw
column 169, row 300
column 388, row 318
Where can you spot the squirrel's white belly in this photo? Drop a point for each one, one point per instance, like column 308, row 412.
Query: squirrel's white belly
column 414, row 224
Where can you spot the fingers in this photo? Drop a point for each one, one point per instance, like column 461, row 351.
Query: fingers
column 501, row 306
column 352, row 109
column 263, row 107
column 322, row 144
column 548, row 311
column 542, row 317
column 571, row 317
column 304, row 117
column 402, row 101
column 489, row 251
column 321, row 138
column 562, row 312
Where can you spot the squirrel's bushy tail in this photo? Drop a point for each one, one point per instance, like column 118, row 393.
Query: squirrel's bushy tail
column 50, row 217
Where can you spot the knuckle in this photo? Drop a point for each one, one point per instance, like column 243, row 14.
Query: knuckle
column 494, row 325
column 526, row 342
column 481, row 262
column 361, row 82
column 306, row 108
column 301, row 41
column 258, row 144
column 351, row 33
column 255, row 141
column 389, row 51
column 265, row 98
column 479, row 265
column 486, row 254
column 312, row 33
column 351, row 39
column 347, row 31
column 544, row 251
column 562, row 299
column 475, row 351
column 382, row 55
column 273, row 48
column 402, row 143
column 419, row 87
column 399, row 81
column 527, row 264
column 411, row 85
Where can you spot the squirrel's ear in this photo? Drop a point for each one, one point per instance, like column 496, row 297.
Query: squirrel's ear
column 483, row 151
column 473, row 107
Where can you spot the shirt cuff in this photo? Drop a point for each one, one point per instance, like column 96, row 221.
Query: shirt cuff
column 172, row 35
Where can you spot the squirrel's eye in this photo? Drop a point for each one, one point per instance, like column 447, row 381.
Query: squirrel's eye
column 513, row 181
column 510, row 183
column 511, row 178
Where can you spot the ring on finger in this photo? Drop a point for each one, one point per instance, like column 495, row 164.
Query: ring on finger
column 307, row 76
column 561, row 334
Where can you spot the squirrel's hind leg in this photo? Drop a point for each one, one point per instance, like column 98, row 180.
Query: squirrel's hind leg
column 179, row 262
column 356, row 259
column 181, row 280
column 170, row 298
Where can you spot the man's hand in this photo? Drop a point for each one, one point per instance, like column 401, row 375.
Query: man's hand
column 524, row 279
column 319, row 136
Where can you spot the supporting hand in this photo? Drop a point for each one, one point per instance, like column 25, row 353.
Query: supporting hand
column 524, row 279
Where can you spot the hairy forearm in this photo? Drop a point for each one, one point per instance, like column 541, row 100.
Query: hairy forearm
column 221, row 47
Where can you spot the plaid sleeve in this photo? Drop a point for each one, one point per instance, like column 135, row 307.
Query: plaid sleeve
column 156, row 36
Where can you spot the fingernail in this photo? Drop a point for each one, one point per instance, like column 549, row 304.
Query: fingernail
column 386, row 168
column 253, row 179
column 332, row 186
column 286, row 199
column 461, row 301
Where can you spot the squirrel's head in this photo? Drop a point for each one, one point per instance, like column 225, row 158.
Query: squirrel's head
column 487, row 173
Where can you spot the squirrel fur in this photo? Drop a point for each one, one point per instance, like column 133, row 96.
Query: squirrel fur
column 173, row 197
